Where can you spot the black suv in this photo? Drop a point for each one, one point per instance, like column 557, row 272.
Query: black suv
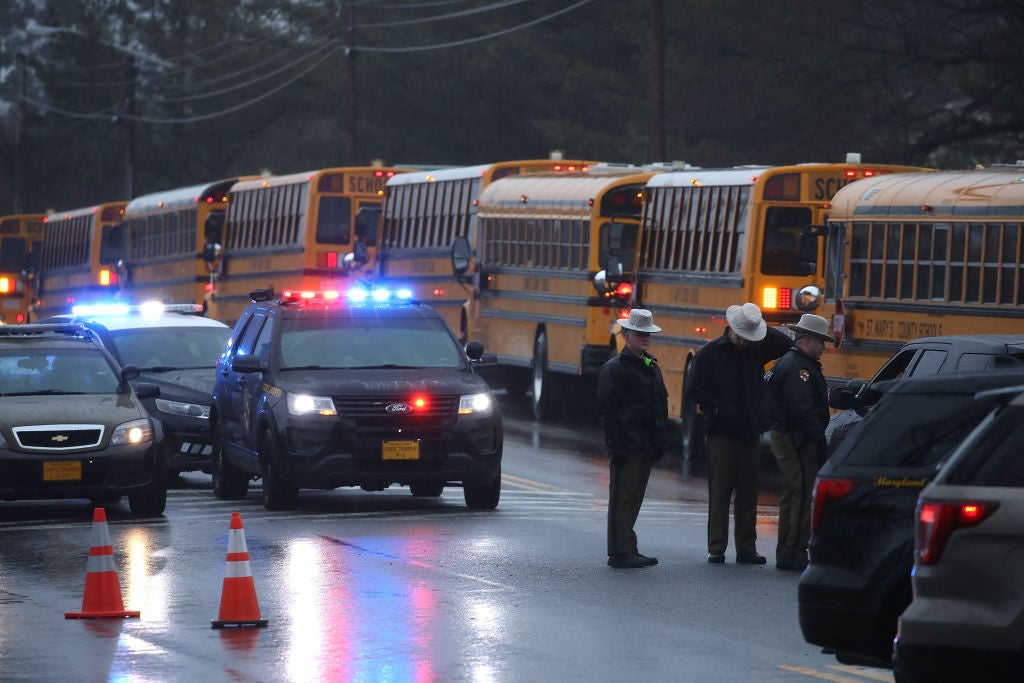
column 924, row 357
column 70, row 424
column 862, row 522
column 176, row 348
column 321, row 390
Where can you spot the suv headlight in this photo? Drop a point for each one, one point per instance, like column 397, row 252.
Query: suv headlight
column 187, row 409
column 304, row 404
column 134, row 433
column 476, row 404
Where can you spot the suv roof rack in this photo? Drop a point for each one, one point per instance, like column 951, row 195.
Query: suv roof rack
column 67, row 329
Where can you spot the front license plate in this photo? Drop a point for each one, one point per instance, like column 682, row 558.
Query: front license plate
column 401, row 450
column 64, row 470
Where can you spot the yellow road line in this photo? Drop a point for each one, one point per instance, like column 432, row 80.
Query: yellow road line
column 835, row 678
column 529, row 484
column 888, row 677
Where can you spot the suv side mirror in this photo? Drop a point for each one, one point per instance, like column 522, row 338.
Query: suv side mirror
column 247, row 364
column 146, row 390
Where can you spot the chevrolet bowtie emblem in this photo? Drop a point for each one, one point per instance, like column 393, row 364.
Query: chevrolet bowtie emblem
column 60, row 437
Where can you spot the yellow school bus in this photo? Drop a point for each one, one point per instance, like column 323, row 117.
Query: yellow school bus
column 170, row 242
column 21, row 241
column 556, row 260
column 716, row 237
column 315, row 230
column 426, row 211
column 921, row 255
column 74, row 267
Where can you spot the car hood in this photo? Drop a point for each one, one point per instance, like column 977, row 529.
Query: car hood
column 381, row 382
column 193, row 385
column 105, row 409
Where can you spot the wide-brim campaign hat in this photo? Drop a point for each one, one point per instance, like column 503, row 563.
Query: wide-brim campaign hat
column 814, row 325
column 640, row 320
column 747, row 322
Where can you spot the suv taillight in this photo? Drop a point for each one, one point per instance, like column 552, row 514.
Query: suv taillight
column 826, row 490
column 937, row 521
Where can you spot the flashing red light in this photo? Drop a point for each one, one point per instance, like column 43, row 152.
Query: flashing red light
column 623, row 314
column 438, row 292
column 332, row 259
column 208, row 287
column 868, row 174
column 20, row 318
column 850, row 173
column 420, row 403
column 558, row 168
column 625, row 289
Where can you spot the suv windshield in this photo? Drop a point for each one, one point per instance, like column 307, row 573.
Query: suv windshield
column 171, row 347
column 371, row 342
column 915, row 430
column 56, row 371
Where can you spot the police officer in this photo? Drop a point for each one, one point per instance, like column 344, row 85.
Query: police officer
column 633, row 405
column 798, row 409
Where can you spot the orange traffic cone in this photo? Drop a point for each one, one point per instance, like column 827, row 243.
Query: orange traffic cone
column 102, row 597
column 238, row 604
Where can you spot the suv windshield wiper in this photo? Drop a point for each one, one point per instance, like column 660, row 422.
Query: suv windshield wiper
column 160, row 368
column 385, row 366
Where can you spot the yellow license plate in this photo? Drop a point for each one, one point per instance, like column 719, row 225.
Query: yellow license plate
column 401, row 450
column 64, row 470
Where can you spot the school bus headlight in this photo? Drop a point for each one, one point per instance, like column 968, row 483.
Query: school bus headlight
column 134, row 433
column 808, row 298
column 304, row 404
column 476, row 404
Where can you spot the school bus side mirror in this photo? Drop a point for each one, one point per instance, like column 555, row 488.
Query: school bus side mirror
column 460, row 256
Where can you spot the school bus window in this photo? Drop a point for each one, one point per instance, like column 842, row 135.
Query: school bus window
column 333, row 225
column 12, row 254
column 782, row 230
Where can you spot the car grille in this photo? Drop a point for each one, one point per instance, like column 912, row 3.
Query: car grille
column 390, row 409
column 60, row 437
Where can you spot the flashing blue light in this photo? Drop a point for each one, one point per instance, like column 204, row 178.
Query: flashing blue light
column 87, row 310
column 405, row 294
column 380, row 294
column 356, row 295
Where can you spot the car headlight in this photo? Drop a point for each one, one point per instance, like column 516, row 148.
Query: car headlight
column 476, row 404
column 187, row 409
column 134, row 433
column 304, row 404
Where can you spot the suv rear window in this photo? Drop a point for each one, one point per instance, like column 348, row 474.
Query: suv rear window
column 995, row 458
column 914, row 430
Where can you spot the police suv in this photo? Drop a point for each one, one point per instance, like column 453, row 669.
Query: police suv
column 318, row 390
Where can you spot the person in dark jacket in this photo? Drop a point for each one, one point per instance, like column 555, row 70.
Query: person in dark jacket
column 726, row 382
column 798, row 408
column 633, row 404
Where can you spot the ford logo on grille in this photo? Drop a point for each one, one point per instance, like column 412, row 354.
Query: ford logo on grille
column 398, row 409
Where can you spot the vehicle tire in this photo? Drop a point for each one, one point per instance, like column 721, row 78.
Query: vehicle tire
column 543, row 382
column 151, row 501
column 278, row 494
column 428, row 490
column 229, row 482
column 484, row 497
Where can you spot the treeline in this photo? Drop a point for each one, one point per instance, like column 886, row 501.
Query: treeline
column 104, row 98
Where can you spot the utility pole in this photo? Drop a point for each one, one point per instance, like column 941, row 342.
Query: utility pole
column 127, row 120
column 656, row 81
column 348, row 88
column 19, row 121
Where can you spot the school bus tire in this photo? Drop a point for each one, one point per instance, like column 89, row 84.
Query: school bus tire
column 543, row 384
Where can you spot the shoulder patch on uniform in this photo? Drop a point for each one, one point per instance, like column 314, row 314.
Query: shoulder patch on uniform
column 805, row 376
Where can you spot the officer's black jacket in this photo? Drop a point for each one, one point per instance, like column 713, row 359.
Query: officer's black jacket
column 797, row 398
column 633, row 404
